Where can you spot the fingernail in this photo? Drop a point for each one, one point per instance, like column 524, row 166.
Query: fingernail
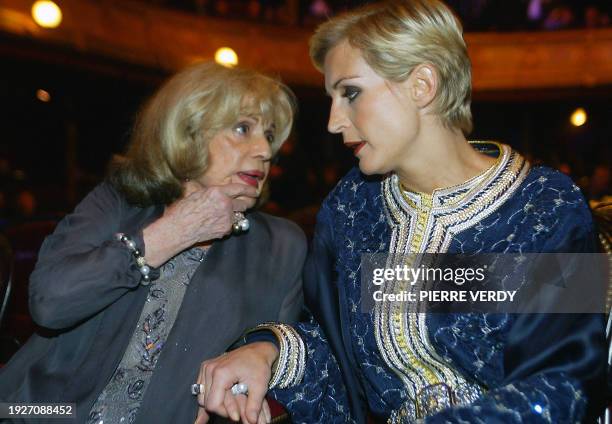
column 235, row 416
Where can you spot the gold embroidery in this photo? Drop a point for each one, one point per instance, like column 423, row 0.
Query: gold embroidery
column 428, row 223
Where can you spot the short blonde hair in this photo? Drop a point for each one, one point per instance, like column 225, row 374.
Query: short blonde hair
column 396, row 36
column 170, row 138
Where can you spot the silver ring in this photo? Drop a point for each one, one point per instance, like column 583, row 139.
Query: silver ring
column 240, row 389
column 238, row 216
column 241, row 224
column 197, row 389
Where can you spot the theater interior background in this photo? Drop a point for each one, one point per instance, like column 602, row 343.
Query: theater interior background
column 68, row 96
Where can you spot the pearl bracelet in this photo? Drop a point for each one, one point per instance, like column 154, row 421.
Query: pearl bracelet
column 145, row 270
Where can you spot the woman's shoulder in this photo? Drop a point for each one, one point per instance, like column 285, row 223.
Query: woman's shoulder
column 280, row 229
column 103, row 194
column 554, row 210
column 548, row 190
column 551, row 177
column 102, row 199
column 280, row 240
column 105, row 200
column 354, row 186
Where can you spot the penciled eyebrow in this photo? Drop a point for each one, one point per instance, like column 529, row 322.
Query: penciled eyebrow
column 335, row 85
column 340, row 80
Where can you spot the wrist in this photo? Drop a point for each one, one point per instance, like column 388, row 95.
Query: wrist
column 160, row 242
column 135, row 247
column 269, row 351
column 149, row 240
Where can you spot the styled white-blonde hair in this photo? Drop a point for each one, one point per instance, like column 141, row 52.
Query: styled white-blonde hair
column 395, row 36
column 170, row 138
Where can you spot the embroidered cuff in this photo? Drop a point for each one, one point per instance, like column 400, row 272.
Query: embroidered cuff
column 291, row 363
column 262, row 336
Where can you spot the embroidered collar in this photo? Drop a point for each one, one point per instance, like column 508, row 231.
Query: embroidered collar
column 454, row 194
column 460, row 204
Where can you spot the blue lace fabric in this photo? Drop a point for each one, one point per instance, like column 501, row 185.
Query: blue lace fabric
column 521, row 361
column 121, row 398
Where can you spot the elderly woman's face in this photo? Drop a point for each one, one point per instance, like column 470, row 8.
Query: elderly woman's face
column 240, row 154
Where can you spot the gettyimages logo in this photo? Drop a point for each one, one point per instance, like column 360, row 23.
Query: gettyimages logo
column 457, row 276
column 512, row 283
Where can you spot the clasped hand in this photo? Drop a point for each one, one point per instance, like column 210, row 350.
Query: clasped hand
column 250, row 365
column 203, row 214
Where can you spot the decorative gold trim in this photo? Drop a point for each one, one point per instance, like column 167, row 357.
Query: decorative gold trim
column 291, row 363
column 427, row 223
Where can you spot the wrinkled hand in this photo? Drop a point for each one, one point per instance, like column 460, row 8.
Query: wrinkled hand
column 251, row 365
column 265, row 416
column 204, row 214
column 201, row 215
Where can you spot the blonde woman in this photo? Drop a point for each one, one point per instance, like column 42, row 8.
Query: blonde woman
column 399, row 79
column 165, row 264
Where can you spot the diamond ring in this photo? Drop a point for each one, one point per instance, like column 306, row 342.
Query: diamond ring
column 240, row 389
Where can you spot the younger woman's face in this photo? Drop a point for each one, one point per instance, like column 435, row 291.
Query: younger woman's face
column 240, row 154
column 376, row 117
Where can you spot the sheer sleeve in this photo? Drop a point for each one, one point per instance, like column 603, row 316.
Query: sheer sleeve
column 81, row 268
column 554, row 364
column 318, row 394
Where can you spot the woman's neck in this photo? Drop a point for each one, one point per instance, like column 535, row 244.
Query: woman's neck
column 443, row 158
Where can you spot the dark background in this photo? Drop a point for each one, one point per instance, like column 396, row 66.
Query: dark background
column 52, row 153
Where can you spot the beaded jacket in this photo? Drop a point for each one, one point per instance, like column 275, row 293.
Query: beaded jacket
column 455, row 367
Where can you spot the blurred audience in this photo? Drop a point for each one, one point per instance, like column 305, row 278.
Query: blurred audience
column 596, row 16
column 600, row 186
column 477, row 15
column 25, row 205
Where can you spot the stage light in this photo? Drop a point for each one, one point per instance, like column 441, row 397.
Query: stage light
column 43, row 95
column 226, row 57
column 579, row 117
column 46, row 14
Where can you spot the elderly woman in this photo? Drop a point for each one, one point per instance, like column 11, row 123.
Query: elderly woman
column 158, row 268
column 398, row 76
